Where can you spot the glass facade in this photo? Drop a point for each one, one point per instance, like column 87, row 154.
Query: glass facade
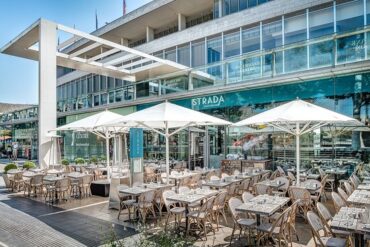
column 319, row 37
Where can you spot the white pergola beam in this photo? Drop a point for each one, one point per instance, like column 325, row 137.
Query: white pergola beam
column 121, row 59
column 121, row 47
column 68, row 42
column 103, row 55
column 84, row 50
column 126, row 66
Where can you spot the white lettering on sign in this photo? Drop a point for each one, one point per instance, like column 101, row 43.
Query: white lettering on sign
column 208, row 101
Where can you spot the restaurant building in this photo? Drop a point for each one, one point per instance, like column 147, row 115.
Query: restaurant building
column 245, row 56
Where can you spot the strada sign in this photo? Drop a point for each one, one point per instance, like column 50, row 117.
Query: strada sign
column 208, row 101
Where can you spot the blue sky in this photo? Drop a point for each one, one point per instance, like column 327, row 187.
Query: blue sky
column 19, row 77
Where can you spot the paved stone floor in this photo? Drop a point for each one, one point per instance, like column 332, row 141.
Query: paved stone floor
column 88, row 222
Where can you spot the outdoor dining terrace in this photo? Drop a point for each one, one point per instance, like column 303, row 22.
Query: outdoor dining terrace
column 211, row 207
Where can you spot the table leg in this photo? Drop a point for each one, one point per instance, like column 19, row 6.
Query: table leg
column 258, row 219
column 359, row 240
column 186, row 219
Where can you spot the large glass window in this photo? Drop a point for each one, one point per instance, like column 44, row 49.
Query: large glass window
column 251, row 39
column 231, row 6
column 96, row 100
column 89, row 84
column 233, row 72
column 350, row 16
column 216, row 9
column 103, row 98
column 295, row 29
column 119, row 83
column 368, row 12
column 350, row 49
column 183, row 55
column 251, row 68
column 321, row 54
column 197, row 54
column 174, row 85
column 119, row 95
column 83, row 86
column 103, row 83
column 111, row 97
column 170, row 55
column 110, row 83
column 96, row 84
column 321, row 22
column 295, row 59
column 243, row 4
column 214, row 50
column 146, row 89
column 271, row 35
column 232, row 44
column 128, row 93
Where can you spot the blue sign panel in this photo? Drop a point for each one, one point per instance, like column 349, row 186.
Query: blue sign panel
column 136, row 143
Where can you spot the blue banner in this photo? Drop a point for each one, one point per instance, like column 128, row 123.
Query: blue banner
column 136, row 143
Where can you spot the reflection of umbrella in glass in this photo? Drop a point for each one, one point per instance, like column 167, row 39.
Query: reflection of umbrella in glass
column 339, row 129
column 298, row 117
column 164, row 117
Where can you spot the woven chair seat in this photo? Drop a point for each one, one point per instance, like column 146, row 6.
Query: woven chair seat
column 194, row 205
column 196, row 214
column 246, row 222
column 266, row 227
column 128, row 202
column 178, row 210
column 333, row 242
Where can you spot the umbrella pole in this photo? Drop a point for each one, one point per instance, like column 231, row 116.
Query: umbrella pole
column 297, row 153
column 167, row 154
column 107, row 153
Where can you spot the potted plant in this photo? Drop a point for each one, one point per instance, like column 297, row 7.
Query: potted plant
column 94, row 160
column 65, row 162
column 8, row 167
column 79, row 161
column 29, row 165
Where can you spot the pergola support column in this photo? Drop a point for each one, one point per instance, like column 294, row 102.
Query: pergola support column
column 47, row 114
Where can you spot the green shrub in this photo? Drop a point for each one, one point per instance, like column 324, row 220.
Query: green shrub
column 79, row 161
column 65, row 162
column 10, row 166
column 94, row 160
column 29, row 165
column 103, row 158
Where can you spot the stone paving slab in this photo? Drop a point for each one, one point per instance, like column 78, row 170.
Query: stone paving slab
column 20, row 229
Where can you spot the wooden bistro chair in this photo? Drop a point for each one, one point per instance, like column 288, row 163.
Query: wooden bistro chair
column 172, row 209
column 125, row 201
column 145, row 205
column 304, row 197
column 219, row 207
column 202, row 217
column 321, row 236
column 338, row 201
column 240, row 221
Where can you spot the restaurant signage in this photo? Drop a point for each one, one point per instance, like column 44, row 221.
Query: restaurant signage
column 136, row 142
column 208, row 101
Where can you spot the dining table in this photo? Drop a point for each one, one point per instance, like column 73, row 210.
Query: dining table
column 263, row 205
column 353, row 220
column 274, row 184
column 363, row 187
column 360, row 197
column 180, row 176
column 221, row 183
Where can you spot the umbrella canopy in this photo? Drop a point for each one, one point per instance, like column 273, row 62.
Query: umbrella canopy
column 96, row 124
column 298, row 111
column 166, row 116
column 298, row 117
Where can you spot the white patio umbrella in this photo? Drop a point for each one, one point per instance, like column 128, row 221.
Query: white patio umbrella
column 96, row 124
column 164, row 117
column 297, row 118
